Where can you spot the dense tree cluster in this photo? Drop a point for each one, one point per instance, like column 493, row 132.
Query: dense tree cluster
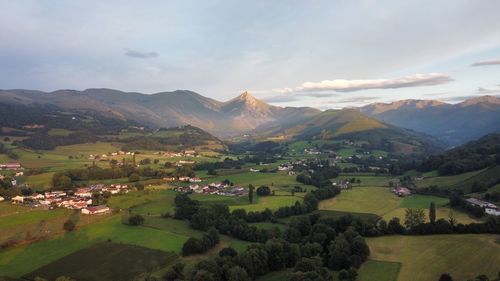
column 198, row 246
column 472, row 156
column 317, row 173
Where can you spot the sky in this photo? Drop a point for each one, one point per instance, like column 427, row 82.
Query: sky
column 324, row 54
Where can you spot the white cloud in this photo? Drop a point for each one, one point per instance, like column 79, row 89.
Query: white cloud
column 343, row 85
column 487, row 62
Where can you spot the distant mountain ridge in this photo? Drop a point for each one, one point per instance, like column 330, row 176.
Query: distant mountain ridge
column 240, row 115
column 453, row 124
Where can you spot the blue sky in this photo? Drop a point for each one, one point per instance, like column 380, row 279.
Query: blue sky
column 326, row 54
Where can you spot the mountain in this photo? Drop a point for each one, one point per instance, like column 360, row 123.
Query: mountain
column 354, row 125
column 167, row 109
column 453, row 124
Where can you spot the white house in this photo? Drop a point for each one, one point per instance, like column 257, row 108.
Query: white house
column 1, row 199
column 95, row 210
column 17, row 199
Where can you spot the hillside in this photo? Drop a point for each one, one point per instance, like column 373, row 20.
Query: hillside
column 451, row 123
column 167, row 109
column 475, row 155
column 354, row 125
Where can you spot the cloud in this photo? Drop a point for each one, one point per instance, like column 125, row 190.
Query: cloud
column 487, row 62
column 140, row 55
column 343, row 85
column 489, row 90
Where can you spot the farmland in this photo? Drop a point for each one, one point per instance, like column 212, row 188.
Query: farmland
column 427, row 257
column 106, row 261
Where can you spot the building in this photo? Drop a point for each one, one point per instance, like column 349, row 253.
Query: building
column 1, row 199
column 480, row 203
column 194, row 180
column 169, row 179
column 11, row 166
column 17, row 200
column 93, row 210
column 401, row 191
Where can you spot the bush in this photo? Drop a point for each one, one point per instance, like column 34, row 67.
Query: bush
column 136, row 220
column 263, row 191
column 69, row 225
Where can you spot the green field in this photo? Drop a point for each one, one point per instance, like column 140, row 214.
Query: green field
column 373, row 270
column 427, row 257
column 382, row 202
column 106, row 261
column 446, row 181
column 374, row 200
column 24, row 259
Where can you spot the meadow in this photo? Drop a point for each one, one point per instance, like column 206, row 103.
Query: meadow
column 106, row 261
column 382, row 202
column 427, row 257
column 373, row 270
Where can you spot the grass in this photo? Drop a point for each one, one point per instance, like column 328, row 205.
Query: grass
column 373, row 270
column 106, row 261
column 149, row 202
column 374, row 200
column 382, row 202
column 271, row 202
column 446, row 181
column 427, row 257
column 21, row 260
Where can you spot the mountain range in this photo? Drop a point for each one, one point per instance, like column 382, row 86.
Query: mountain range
column 452, row 124
column 240, row 115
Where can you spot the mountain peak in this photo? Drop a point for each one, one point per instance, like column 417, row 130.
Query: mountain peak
column 481, row 100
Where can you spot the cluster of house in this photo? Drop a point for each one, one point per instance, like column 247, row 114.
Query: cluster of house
column 343, row 184
column 182, row 179
column 401, row 191
column 81, row 199
column 171, row 154
column 11, row 166
column 215, row 188
column 489, row 208
column 104, row 156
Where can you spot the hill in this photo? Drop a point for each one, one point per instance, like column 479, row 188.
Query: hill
column 475, row 155
column 353, row 125
column 451, row 123
column 166, row 109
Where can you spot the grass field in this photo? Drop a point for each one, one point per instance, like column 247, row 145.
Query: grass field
column 373, row 270
column 374, row 200
column 446, row 181
column 382, row 202
column 21, row 260
column 106, row 261
column 427, row 257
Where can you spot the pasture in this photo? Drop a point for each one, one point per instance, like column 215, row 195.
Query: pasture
column 427, row 257
column 106, row 261
column 21, row 260
column 373, row 270
column 382, row 202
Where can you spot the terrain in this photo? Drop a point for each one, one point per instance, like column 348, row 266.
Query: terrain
column 451, row 123
column 326, row 171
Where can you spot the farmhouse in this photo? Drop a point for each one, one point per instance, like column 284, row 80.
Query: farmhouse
column 186, row 162
column 169, row 179
column 83, row 192
column 1, row 199
column 194, row 180
column 11, row 166
column 17, row 200
column 480, row 203
column 95, row 210
column 401, row 191
column 254, row 170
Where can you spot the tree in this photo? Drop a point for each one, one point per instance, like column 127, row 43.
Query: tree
column 250, row 193
column 395, row 227
column 69, row 225
column 136, row 219
column 445, row 277
column 263, row 190
column 228, row 252
column 176, row 272
column 237, row 273
column 432, row 213
column 64, row 278
column 60, row 181
column 414, row 217
column 134, row 177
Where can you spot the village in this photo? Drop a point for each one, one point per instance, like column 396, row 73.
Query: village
column 215, row 188
column 81, row 199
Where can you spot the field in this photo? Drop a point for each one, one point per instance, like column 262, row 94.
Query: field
column 24, row 259
column 382, row 202
column 373, row 270
column 106, row 261
column 427, row 257
column 446, row 181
